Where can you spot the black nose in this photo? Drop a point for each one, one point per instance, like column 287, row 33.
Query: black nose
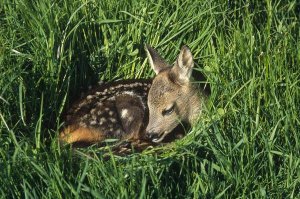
column 151, row 135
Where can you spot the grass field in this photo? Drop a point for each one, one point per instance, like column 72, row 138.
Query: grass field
column 246, row 145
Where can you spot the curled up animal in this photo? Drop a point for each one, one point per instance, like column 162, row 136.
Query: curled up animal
column 140, row 109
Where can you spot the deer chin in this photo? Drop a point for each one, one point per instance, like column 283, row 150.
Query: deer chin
column 161, row 137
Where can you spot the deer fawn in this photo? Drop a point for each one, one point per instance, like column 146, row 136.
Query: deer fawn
column 123, row 109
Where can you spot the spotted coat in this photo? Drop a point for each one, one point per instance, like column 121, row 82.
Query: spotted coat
column 112, row 110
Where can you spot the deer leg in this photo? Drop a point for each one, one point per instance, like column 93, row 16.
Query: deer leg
column 81, row 135
column 131, row 113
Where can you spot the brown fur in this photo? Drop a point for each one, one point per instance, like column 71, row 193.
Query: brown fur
column 172, row 97
column 113, row 110
column 124, row 109
column 72, row 134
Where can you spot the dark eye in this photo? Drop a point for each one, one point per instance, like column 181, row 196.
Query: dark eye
column 168, row 111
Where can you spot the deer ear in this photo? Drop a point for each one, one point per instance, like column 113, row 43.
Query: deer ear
column 157, row 63
column 182, row 69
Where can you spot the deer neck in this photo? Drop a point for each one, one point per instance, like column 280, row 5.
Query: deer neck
column 195, row 105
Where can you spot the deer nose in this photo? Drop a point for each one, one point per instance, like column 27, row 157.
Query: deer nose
column 151, row 135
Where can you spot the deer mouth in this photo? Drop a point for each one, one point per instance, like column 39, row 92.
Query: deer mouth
column 160, row 137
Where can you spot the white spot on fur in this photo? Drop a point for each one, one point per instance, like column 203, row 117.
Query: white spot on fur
column 111, row 113
column 93, row 122
column 99, row 104
column 82, row 104
column 133, row 94
column 103, row 98
column 130, row 119
column 124, row 113
column 111, row 98
column 82, row 124
column 129, row 93
column 89, row 97
column 102, row 121
column 113, row 120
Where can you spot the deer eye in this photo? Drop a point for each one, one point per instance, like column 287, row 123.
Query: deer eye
column 168, row 111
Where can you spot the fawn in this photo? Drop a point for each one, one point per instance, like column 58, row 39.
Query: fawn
column 137, row 109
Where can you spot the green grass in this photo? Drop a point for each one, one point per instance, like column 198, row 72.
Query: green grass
column 246, row 145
